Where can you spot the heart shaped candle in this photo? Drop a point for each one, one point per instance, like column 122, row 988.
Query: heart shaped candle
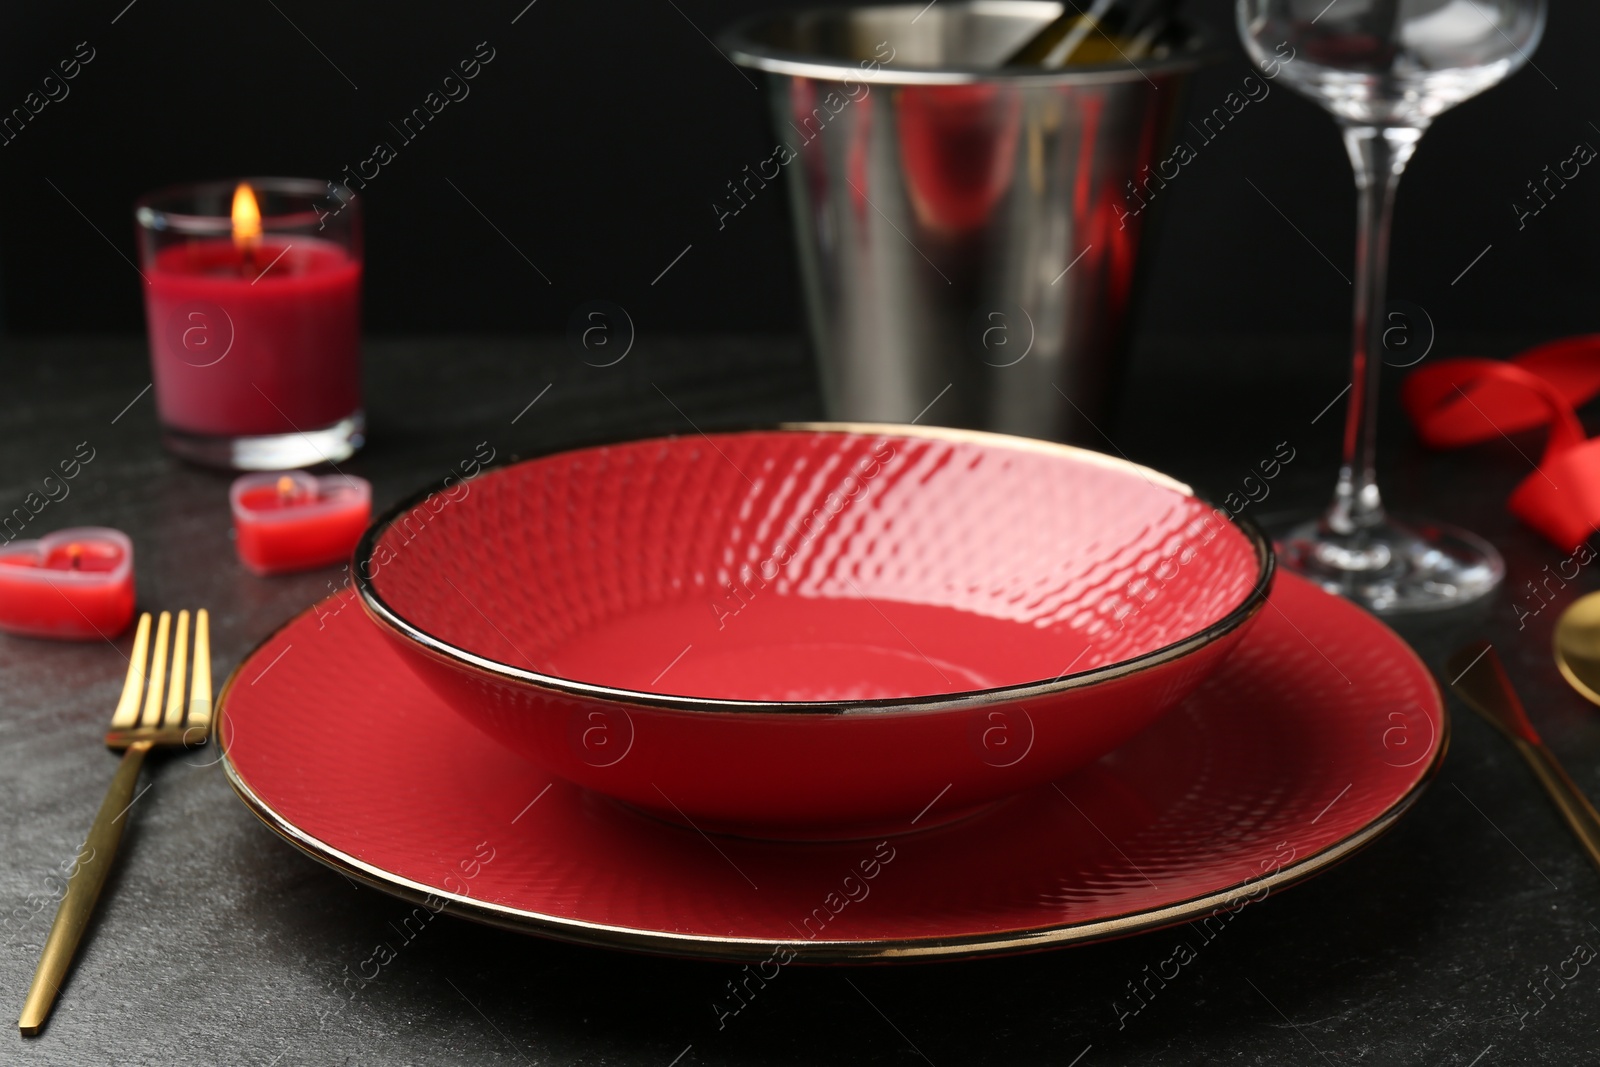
column 296, row 521
column 75, row 584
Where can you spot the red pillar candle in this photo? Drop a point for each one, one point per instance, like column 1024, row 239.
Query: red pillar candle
column 75, row 584
column 254, row 324
column 294, row 521
column 284, row 337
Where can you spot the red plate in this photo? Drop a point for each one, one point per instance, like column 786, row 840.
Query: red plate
column 1313, row 738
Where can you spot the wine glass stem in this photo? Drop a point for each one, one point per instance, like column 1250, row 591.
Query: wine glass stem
column 1379, row 155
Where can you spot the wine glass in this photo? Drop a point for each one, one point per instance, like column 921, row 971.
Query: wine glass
column 1385, row 69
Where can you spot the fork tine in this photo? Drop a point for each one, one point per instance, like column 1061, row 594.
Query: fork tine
column 200, row 687
column 127, row 714
column 158, row 673
column 180, row 659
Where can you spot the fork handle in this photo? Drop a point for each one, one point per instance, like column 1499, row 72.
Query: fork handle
column 83, row 889
column 1581, row 818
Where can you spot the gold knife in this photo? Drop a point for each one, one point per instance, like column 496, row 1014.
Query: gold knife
column 1480, row 680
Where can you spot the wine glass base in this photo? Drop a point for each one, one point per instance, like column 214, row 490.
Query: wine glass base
column 1393, row 568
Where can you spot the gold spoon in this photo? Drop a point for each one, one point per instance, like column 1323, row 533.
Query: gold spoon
column 1481, row 681
column 1578, row 645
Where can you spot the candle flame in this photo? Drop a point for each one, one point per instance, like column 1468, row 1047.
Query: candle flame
column 246, row 218
column 286, row 487
column 75, row 556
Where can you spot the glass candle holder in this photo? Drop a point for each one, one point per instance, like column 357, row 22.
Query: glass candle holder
column 253, row 304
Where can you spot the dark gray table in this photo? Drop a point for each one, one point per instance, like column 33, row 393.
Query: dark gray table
column 217, row 943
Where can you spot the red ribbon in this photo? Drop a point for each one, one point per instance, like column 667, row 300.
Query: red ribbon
column 1458, row 402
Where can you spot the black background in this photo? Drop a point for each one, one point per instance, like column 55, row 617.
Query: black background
column 598, row 138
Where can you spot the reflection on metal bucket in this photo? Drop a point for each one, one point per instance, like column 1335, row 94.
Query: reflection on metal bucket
column 967, row 234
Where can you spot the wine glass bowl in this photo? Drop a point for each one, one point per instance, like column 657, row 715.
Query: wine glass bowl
column 1392, row 63
column 1385, row 69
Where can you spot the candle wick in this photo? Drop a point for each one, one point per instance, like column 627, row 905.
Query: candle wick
column 75, row 557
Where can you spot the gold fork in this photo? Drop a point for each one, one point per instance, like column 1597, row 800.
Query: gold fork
column 134, row 732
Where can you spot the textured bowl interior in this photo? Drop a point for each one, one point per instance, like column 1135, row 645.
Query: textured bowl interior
column 813, row 565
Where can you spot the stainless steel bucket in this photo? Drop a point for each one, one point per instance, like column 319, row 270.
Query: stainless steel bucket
column 967, row 234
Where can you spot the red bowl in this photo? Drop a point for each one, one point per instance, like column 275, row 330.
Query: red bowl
column 815, row 631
